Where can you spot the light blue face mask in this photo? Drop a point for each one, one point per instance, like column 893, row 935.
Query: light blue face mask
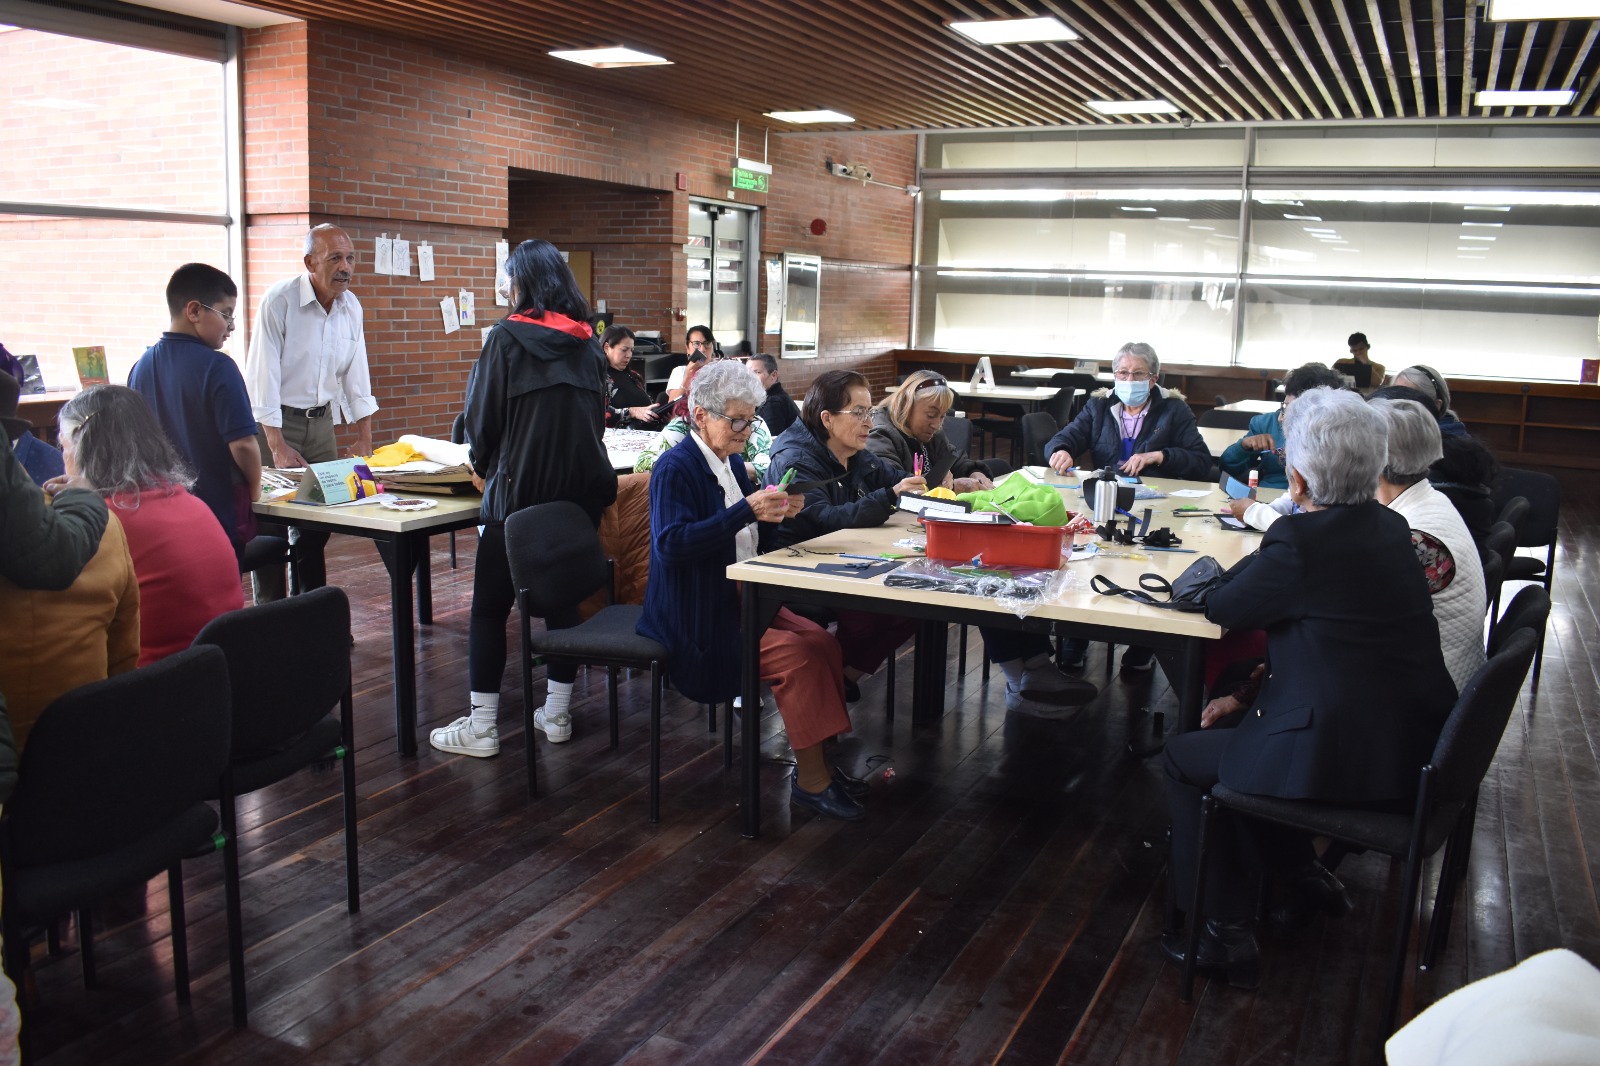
column 1132, row 393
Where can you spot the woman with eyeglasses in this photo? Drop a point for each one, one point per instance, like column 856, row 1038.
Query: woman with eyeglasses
column 757, row 447
column 701, row 347
column 909, row 424
column 1262, row 445
column 1139, row 427
column 704, row 513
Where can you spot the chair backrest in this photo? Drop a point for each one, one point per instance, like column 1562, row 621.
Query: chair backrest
column 555, row 556
column 288, row 665
column 458, row 429
column 1537, row 528
column 1494, row 574
column 1471, row 734
column 958, row 431
column 1037, row 429
column 114, row 760
column 1217, row 419
column 1529, row 609
column 1501, row 539
column 1514, row 511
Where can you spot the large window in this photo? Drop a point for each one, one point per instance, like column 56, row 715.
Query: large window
column 1472, row 248
column 115, row 171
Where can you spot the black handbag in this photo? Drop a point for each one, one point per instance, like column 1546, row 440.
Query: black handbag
column 1187, row 592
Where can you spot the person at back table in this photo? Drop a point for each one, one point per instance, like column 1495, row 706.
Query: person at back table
column 198, row 397
column 1262, row 445
column 1366, row 374
column 41, row 461
column 187, row 571
column 1141, row 429
column 778, row 410
column 307, row 372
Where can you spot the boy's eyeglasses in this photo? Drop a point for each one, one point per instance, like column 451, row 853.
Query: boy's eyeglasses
column 220, row 314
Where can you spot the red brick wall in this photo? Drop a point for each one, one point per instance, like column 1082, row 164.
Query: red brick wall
column 401, row 137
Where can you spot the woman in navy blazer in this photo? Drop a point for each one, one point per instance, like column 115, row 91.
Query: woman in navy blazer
column 1355, row 691
column 703, row 516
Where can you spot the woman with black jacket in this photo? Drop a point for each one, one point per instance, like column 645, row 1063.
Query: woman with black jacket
column 1137, row 428
column 536, row 407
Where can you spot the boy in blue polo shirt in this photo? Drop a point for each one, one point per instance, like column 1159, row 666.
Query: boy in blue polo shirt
column 198, row 396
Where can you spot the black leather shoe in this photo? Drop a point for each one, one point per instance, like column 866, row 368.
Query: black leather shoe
column 854, row 787
column 1226, row 948
column 831, row 802
column 852, row 691
column 1308, row 891
column 1138, row 661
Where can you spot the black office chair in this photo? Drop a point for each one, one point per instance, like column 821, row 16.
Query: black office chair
column 1075, row 392
column 1447, row 788
column 282, row 728
column 1494, row 570
column 556, row 562
column 958, row 431
column 1037, row 429
column 1001, row 421
column 1514, row 510
column 111, row 791
column 1501, row 541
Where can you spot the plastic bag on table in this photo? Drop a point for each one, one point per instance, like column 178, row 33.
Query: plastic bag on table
column 1017, row 589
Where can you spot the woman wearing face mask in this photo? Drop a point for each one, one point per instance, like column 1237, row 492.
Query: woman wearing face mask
column 1139, row 429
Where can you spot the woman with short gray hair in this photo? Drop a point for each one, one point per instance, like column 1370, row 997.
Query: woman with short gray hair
column 704, row 513
column 1355, row 691
column 1443, row 543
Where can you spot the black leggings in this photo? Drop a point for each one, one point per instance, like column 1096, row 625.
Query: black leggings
column 493, row 597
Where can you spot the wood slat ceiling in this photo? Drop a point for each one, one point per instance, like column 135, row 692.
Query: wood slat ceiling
column 895, row 64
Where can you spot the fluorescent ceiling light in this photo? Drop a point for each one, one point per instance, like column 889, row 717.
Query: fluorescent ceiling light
column 820, row 115
column 1470, row 237
column 1492, row 225
column 1522, row 10
column 1483, row 207
column 1304, row 218
column 1134, row 107
column 1001, row 196
column 1524, row 97
column 1170, row 218
column 1015, row 31
column 1208, row 229
column 1318, row 229
column 1149, row 209
column 611, row 58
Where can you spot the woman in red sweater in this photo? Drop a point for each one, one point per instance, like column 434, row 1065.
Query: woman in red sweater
column 184, row 563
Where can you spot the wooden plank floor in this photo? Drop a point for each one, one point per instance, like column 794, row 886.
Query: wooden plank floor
column 1001, row 903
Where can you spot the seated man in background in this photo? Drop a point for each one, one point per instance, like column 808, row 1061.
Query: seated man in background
column 41, row 461
column 1366, row 374
column 1262, row 445
column 778, row 410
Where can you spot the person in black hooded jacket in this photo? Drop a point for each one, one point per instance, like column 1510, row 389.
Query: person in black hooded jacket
column 536, row 408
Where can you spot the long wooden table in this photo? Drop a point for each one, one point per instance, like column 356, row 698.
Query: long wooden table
column 778, row 578
column 407, row 533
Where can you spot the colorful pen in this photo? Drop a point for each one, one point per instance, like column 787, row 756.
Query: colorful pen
column 916, row 465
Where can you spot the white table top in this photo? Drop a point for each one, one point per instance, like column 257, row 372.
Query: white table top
column 624, row 445
column 1080, row 603
column 1045, row 373
column 1025, row 393
column 1255, row 407
column 1218, row 438
column 451, row 510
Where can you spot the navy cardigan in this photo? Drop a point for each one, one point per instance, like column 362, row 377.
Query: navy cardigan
column 690, row 605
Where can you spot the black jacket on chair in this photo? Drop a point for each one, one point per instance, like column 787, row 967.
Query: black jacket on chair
column 1356, row 688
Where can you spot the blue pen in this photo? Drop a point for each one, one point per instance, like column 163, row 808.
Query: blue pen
column 868, row 558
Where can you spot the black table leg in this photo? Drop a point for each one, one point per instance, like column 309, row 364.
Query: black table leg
column 404, row 644
column 750, row 717
column 1190, row 683
column 927, row 672
column 425, row 583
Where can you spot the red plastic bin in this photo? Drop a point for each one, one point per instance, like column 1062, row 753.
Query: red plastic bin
column 1035, row 546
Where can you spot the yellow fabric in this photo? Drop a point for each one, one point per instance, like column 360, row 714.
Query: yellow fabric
column 394, row 455
column 57, row 641
column 940, row 493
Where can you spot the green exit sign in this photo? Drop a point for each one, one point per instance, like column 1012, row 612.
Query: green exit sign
column 749, row 179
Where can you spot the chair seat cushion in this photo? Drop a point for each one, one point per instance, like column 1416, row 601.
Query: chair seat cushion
column 40, row 893
column 609, row 635
column 1524, row 568
column 1382, row 831
column 251, row 772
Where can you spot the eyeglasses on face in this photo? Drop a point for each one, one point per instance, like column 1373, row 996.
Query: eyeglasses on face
column 225, row 316
column 738, row 425
column 699, row 344
column 863, row 414
column 1131, row 375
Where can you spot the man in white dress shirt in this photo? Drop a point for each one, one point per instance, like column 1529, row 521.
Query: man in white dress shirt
column 307, row 371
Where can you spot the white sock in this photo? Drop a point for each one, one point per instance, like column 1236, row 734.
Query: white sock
column 485, row 710
column 1013, row 669
column 559, row 699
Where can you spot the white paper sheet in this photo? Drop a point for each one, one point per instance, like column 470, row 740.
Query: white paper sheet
column 451, row 316
column 467, row 303
column 502, row 252
column 425, row 261
column 1190, row 494
column 383, row 255
column 402, row 258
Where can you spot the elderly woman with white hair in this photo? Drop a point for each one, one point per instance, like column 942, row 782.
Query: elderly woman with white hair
column 1444, row 545
column 704, row 512
column 1355, row 691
